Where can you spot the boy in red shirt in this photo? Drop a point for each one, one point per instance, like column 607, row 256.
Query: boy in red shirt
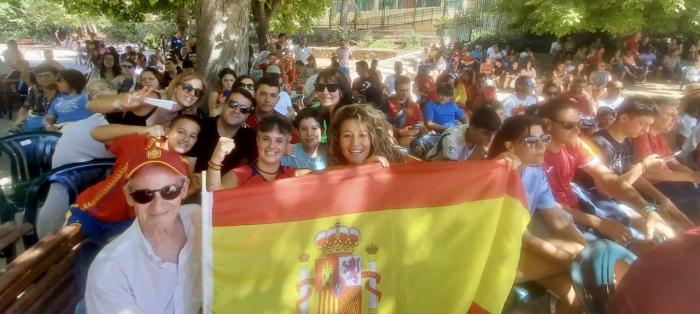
column 404, row 114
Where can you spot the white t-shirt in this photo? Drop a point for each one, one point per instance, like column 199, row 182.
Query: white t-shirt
column 612, row 103
column 452, row 145
column 343, row 55
column 127, row 276
column 513, row 103
column 302, row 53
column 77, row 145
column 555, row 49
column 389, row 84
column 283, row 103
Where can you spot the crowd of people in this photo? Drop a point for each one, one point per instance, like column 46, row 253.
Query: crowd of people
column 595, row 163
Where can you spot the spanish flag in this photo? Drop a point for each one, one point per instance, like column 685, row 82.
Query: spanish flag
column 415, row 238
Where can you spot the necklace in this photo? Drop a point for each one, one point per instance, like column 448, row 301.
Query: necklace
column 265, row 172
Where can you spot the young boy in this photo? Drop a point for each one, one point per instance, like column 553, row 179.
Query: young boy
column 444, row 113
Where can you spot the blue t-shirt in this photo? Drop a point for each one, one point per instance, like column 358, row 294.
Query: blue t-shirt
column 444, row 114
column 539, row 194
column 303, row 161
column 68, row 108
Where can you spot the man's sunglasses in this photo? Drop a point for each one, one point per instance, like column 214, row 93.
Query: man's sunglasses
column 531, row 141
column 567, row 125
column 145, row 196
column 241, row 107
column 331, row 87
column 187, row 87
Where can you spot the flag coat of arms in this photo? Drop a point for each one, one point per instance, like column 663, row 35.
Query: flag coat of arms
column 418, row 238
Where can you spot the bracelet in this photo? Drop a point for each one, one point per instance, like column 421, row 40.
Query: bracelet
column 644, row 165
column 649, row 208
column 116, row 105
column 214, row 166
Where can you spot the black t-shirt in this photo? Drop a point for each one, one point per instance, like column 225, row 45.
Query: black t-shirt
column 245, row 152
column 128, row 118
column 618, row 157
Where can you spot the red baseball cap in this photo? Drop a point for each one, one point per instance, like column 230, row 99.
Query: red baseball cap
column 156, row 155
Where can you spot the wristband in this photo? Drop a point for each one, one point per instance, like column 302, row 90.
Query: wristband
column 649, row 208
column 116, row 105
column 644, row 165
column 214, row 166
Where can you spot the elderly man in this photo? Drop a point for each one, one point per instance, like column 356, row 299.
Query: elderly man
column 153, row 266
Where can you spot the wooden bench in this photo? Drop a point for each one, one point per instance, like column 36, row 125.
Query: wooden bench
column 40, row 280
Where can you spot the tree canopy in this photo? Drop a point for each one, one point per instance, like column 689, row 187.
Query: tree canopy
column 616, row 17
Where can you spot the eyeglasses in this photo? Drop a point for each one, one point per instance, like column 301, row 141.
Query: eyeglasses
column 531, row 141
column 127, row 66
column 241, row 107
column 145, row 196
column 187, row 87
column 249, row 86
column 331, row 87
column 568, row 125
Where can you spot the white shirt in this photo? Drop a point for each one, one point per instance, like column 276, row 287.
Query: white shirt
column 555, row 49
column 128, row 277
column 515, row 103
column 343, row 55
column 389, row 84
column 76, row 144
column 612, row 103
column 452, row 145
column 302, row 53
column 310, row 85
column 283, row 103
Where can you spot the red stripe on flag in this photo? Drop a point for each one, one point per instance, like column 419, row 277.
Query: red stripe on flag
column 365, row 189
column 476, row 309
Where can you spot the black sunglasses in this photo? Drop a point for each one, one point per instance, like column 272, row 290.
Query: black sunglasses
column 531, row 141
column 567, row 125
column 241, row 107
column 331, row 87
column 146, row 196
column 187, row 87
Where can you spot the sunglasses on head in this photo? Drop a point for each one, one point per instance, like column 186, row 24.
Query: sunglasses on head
column 241, row 107
column 331, row 87
column 531, row 141
column 187, row 87
column 145, row 196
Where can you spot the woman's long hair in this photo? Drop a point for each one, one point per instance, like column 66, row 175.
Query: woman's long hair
column 379, row 129
column 512, row 130
column 116, row 68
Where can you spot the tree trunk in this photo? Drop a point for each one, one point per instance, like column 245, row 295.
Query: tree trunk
column 182, row 19
column 222, row 37
column 344, row 12
column 262, row 29
column 263, row 13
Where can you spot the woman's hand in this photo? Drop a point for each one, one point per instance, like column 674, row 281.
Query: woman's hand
column 379, row 159
column 156, row 131
column 129, row 101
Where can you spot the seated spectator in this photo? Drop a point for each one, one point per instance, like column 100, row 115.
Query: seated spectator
column 478, row 54
column 71, row 103
column 424, row 85
column 40, row 96
column 577, row 94
column 444, row 113
column 462, row 87
column 551, row 241
column 229, row 125
column 689, row 114
column 481, row 93
column 616, row 149
column 227, row 77
column 267, row 92
column 518, row 102
column 273, row 135
column 675, row 180
column 672, row 65
column 648, row 59
column 692, row 73
column 467, row 141
column 172, row 69
column 102, row 210
column 367, row 88
column 487, row 67
column 566, row 154
column 605, row 117
column 126, row 81
column 662, row 280
column 374, row 71
column 561, row 77
column 613, row 95
column 309, row 153
column 153, row 267
column 512, row 74
column 390, row 80
column 597, row 57
column 404, row 114
column 529, row 70
column 359, row 134
column 599, row 79
column 632, row 68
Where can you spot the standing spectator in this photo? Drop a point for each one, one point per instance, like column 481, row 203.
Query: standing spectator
column 599, row 78
column 569, row 48
column 227, row 77
column 632, row 43
column 12, row 54
column 555, row 49
column 39, row 98
column 302, row 52
column 163, row 43
column 108, row 69
column 390, row 80
column 374, row 71
column 50, row 61
column 672, row 65
column 344, row 54
column 494, row 52
column 176, row 44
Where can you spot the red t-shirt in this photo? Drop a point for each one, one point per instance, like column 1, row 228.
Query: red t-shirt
column 426, row 85
column 632, row 43
column 582, row 101
column 412, row 116
column 561, row 169
column 665, row 279
column 248, row 174
column 105, row 200
column 647, row 144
